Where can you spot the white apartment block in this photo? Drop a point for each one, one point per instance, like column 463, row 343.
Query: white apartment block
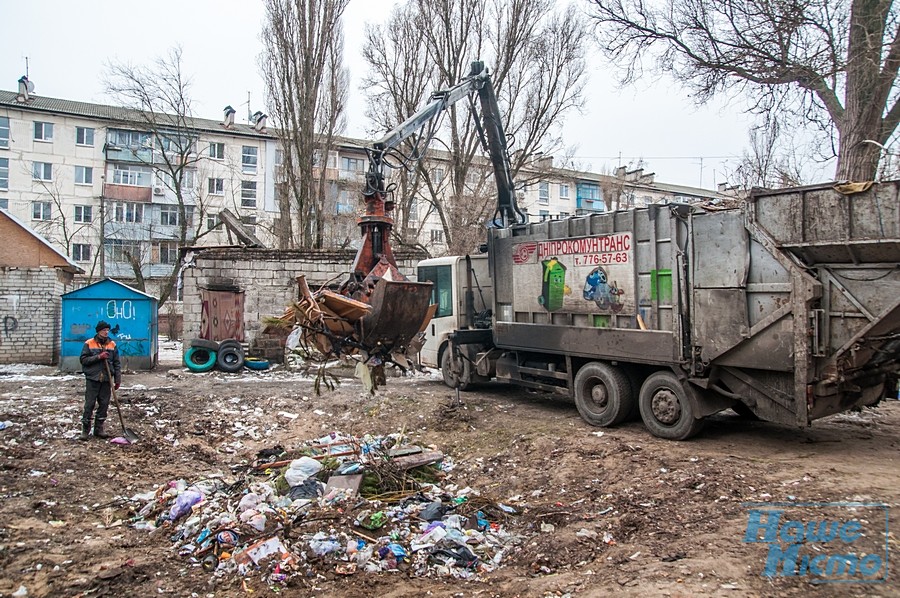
column 86, row 177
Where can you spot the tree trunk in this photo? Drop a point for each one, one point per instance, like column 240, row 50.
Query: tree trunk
column 858, row 158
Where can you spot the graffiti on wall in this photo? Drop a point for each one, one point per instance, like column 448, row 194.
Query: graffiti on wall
column 120, row 310
column 10, row 324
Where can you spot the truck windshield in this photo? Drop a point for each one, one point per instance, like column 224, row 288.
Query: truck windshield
column 442, row 291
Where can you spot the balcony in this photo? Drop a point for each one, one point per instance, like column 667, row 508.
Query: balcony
column 127, row 192
column 129, row 155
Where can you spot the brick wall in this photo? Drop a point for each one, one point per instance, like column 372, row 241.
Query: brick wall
column 30, row 314
column 267, row 278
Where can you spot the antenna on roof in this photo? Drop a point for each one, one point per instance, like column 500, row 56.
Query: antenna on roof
column 26, row 66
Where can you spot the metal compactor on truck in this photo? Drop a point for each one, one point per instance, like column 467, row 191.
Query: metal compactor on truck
column 786, row 309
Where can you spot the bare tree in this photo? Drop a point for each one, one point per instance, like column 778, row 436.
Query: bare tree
column 159, row 98
column 307, row 89
column 832, row 63
column 58, row 226
column 771, row 161
column 536, row 56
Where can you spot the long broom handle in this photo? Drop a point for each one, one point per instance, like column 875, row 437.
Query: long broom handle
column 112, row 387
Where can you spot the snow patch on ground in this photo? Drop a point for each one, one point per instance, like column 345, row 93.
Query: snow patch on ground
column 170, row 351
column 18, row 368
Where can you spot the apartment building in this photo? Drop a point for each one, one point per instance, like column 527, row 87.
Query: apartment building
column 550, row 192
column 92, row 179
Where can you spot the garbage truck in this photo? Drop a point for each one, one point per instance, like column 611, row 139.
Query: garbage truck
column 786, row 308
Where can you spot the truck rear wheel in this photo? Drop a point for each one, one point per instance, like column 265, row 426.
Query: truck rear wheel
column 603, row 394
column 665, row 408
column 455, row 369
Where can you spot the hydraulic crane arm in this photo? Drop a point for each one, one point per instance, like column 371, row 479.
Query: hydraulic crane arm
column 490, row 128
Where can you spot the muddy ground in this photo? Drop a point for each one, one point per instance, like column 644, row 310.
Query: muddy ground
column 675, row 511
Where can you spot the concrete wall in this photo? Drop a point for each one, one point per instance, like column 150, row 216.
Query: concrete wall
column 268, row 279
column 30, row 314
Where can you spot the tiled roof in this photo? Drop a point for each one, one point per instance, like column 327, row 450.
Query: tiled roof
column 117, row 114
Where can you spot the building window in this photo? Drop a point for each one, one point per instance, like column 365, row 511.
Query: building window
column 217, row 186
column 81, row 252
column 84, row 175
column 563, row 191
column 168, row 215
column 564, row 214
column 4, row 203
column 84, row 214
column 4, row 131
column 121, row 138
column 42, row 171
column 217, row 151
column 127, row 212
column 168, row 252
column 332, row 159
column 544, row 215
column 437, row 175
column 249, row 223
column 213, row 221
column 248, row 194
column 437, row 236
column 121, row 251
column 4, row 173
column 43, row 131
column 413, row 214
column 544, row 192
column 40, row 210
column 84, row 136
column 132, row 175
column 353, row 164
column 279, row 157
column 248, row 158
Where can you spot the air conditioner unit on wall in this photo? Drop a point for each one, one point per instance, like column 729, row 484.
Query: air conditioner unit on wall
column 159, row 191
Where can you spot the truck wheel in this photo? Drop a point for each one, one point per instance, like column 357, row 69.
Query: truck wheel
column 665, row 408
column 603, row 394
column 456, row 371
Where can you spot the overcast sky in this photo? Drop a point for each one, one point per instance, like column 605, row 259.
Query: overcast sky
column 68, row 43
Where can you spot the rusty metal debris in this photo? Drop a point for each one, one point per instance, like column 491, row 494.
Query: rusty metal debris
column 388, row 329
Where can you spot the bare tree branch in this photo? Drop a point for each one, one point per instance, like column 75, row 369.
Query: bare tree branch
column 834, row 63
column 307, row 89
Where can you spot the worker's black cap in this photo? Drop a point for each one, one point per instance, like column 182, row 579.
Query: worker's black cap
column 102, row 324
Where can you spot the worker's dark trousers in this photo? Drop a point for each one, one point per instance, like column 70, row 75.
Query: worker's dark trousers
column 95, row 393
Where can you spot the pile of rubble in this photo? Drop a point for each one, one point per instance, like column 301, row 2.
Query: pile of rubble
column 336, row 505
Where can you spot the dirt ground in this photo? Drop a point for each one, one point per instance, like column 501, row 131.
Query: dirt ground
column 673, row 514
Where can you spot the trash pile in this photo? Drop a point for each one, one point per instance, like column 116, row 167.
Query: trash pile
column 332, row 325
column 337, row 505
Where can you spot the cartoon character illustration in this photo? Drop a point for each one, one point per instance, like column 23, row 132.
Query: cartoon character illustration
column 598, row 290
column 553, row 286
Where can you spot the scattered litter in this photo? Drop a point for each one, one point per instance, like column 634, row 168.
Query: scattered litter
column 21, row 592
column 3, row 426
column 338, row 504
column 598, row 433
column 119, row 440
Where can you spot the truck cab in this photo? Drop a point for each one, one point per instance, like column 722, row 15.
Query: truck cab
column 463, row 294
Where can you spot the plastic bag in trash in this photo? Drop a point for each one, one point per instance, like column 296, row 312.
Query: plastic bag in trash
column 183, row 504
column 300, row 469
column 309, row 488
